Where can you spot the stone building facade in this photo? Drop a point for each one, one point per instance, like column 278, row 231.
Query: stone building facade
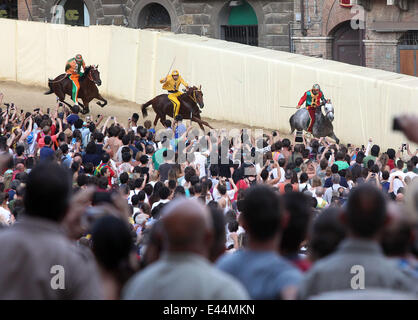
column 384, row 34
column 382, row 31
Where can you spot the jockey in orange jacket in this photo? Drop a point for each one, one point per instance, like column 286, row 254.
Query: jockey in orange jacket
column 73, row 69
column 313, row 100
column 172, row 84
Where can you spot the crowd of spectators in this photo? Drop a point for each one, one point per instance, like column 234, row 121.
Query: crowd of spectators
column 132, row 212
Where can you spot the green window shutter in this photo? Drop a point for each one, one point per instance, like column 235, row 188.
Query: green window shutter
column 242, row 15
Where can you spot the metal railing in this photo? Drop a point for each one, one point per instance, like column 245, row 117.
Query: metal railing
column 241, row 34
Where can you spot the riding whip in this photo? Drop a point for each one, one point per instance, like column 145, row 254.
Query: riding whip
column 171, row 66
column 287, row 107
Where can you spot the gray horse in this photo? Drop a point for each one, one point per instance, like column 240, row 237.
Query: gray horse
column 323, row 123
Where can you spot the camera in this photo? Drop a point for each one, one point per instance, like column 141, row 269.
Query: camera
column 299, row 136
column 396, row 125
column 101, row 197
column 403, row 147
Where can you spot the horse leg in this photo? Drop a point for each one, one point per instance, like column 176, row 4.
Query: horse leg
column 292, row 128
column 163, row 119
column 206, row 124
column 61, row 97
column 157, row 116
column 199, row 121
column 99, row 96
column 85, row 106
column 333, row 136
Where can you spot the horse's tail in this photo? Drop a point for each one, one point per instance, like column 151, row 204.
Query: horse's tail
column 144, row 108
column 292, row 128
column 50, row 87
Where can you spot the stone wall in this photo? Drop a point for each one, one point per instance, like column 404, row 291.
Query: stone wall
column 274, row 18
column 277, row 16
column 319, row 47
column 22, row 9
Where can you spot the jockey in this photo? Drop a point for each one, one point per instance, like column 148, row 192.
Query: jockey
column 172, row 84
column 73, row 69
column 313, row 100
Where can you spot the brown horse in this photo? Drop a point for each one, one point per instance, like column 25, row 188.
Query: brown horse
column 190, row 101
column 63, row 85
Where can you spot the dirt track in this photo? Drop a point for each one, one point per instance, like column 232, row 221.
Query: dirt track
column 31, row 97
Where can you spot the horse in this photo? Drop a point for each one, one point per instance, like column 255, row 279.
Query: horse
column 323, row 123
column 190, row 100
column 63, row 85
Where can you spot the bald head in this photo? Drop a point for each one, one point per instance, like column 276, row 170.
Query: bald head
column 188, row 226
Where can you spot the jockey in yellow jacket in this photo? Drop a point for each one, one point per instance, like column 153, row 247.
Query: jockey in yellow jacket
column 172, row 84
column 73, row 69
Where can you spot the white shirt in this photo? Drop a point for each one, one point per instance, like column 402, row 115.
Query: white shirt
column 303, row 185
column 216, row 195
column 159, row 202
column 411, row 174
column 6, row 214
column 131, row 194
column 200, row 159
column 282, row 175
column 396, row 173
column 328, row 193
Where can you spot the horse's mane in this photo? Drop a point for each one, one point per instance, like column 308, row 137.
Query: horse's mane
column 86, row 73
column 186, row 95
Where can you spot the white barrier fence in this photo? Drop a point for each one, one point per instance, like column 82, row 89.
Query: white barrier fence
column 240, row 83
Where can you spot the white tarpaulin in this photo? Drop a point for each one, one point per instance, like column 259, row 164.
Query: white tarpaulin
column 8, row 49
column 243, row 84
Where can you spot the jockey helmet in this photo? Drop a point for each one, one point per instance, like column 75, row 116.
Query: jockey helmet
column 78, row 58
column 175, row 73
column 316, row 87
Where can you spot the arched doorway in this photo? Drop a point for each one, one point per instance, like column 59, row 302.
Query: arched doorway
column 408, row 53
column 348, row 44
column 8, row 9
column 71, row 12
column 238, row 23
column 154, row 16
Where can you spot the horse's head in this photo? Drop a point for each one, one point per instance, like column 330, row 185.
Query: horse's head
column 329, row 110
column 94, row 74
column 196, row 95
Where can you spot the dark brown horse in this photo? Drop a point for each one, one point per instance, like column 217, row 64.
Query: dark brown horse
column 190, row 101
column 63, row 85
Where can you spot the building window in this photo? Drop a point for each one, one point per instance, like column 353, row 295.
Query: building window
column 72, row 12
column 238, row 23
column 154, row 16
column 8, row 9
column 408, row 53
column 410, row 38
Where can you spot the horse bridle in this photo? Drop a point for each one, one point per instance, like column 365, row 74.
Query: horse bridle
column 89, row 75
column 326, row 113
column 193, row 96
